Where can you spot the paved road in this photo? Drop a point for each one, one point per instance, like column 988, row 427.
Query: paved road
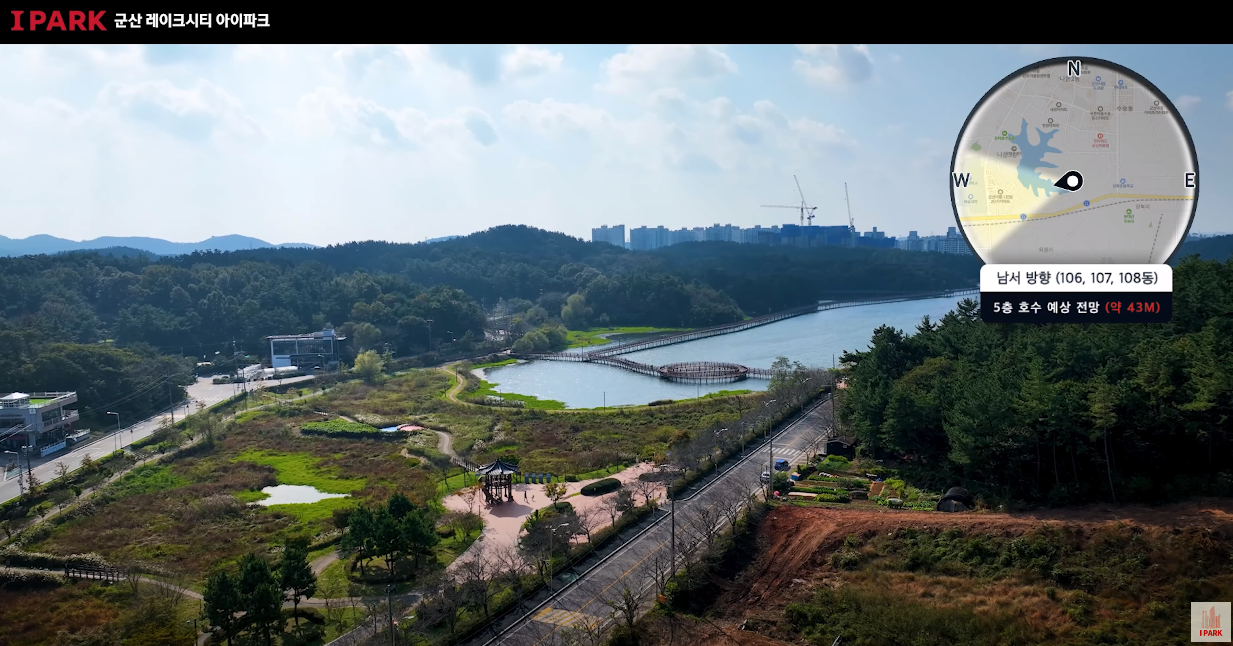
column 45, row 468
column 634, row 565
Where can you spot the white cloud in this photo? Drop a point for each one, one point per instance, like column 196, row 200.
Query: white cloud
column 198, row 112
column 524, row 62
column 552, row 117
column 701, row 136
column 836, row 64
column 1229, row 100
column 895, row 58
column 329, row 112
column 361, row 60
column 641, row 69
column 1186, row 101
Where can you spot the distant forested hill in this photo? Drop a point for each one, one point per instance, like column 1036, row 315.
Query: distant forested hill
column 1213, row 248
column 381, row 294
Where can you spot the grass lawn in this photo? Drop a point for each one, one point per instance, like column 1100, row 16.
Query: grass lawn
column 601, row 473
column 302, row 469
column 494, row 364
column 587, row 338
column 486, row 389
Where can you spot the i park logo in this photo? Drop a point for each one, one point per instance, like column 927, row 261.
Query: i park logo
column 1209, row 622
column 57, row 21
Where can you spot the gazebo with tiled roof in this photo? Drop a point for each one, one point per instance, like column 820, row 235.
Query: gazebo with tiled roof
column 498, row 480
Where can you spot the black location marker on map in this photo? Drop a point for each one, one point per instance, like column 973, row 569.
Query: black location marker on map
column 1071, row 181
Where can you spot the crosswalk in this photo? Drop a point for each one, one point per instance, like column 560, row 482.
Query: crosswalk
column 567, row 618
column 795, row 457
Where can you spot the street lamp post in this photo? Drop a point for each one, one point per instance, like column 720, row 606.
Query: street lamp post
column 429, row 322
column 194, row 623
column 117, row 428
column 552, row 535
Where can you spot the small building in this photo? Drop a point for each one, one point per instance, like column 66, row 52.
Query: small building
column 845, row 446
column 306, row 351
column 956, row 499
column 37, row 419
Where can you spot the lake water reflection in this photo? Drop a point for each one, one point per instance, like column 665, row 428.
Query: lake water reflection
column 812, row 340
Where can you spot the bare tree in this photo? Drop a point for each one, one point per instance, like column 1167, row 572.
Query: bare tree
column 474, row 576
column 731, row 502
column 511, row 565
column 587, row 632
column 659, row 568
column 705, row 521
column 62, row 469
column 626, row 606
column 589, row 520
column 648, row 489
column 469, row 496
column 609, row 505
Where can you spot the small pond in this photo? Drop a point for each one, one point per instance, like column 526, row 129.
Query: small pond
column 294, row 494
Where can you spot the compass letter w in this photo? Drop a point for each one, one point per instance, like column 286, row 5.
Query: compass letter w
column 961, row 180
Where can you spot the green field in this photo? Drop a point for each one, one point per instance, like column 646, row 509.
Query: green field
column 302, row 469
column 486, row 389
column 494, row 364
column 587, row 338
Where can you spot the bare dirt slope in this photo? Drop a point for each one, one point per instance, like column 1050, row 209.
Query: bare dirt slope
column 796, row 542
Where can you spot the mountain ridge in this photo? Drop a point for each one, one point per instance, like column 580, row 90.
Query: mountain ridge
column 48, row 244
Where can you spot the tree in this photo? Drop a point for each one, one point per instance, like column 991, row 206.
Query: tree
column 62, row 469
column 261, row 595
column 611, row 506
column 624, row 501
column 555, row 491
column 62, row 498
column 648, row 489
column 469, row 496
column 575, row 314
column 222, row 602
column 296, row 574
column 704, row 522
column 368, row 365
column 626, row 606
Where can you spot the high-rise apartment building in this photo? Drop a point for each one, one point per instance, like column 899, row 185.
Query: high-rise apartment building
column 612, row 235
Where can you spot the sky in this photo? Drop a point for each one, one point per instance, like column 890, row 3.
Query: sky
column 333, row 143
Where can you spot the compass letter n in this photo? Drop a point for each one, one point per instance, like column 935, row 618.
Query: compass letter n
column 1073, row 68
column 960, row 180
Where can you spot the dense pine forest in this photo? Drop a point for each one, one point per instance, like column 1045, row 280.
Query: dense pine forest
column 1058, row 413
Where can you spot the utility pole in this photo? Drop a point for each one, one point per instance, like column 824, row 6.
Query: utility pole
column 171, row 402
column 389, row 605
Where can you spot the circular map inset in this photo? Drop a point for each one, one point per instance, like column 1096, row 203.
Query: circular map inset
column 1055, row 166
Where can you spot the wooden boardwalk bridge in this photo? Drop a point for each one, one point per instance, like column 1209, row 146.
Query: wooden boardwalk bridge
column 710, row 371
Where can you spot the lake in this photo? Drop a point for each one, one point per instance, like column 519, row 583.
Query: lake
column 813, row 339
column 295, row 495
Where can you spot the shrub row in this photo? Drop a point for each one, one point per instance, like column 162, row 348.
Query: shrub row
column 601, row 487
column 15, row 557
column 846, row 483
column 343, row 428
column 11, row 580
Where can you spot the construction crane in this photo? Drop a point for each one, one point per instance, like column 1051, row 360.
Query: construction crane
column 851, row 223
column 803, row 208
